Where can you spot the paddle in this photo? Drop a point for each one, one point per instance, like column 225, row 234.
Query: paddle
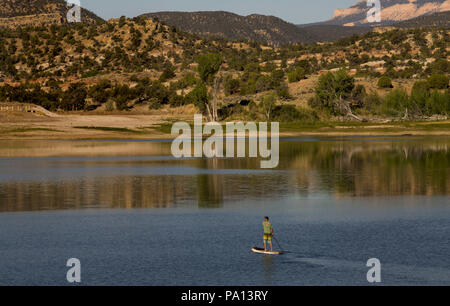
column 277, row 243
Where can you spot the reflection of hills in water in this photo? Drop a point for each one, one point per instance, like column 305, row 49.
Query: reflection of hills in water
column 127, row 178
column 373, row 169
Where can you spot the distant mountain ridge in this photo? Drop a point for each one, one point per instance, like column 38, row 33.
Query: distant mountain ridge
column 435, row 20
column 392, row 11
column 228, row 25
column 260, row 28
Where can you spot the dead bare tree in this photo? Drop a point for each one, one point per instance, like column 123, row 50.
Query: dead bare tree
column 344, row 108
column 217, row 88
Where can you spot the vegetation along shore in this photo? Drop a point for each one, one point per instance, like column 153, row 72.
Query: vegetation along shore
column 132, row 78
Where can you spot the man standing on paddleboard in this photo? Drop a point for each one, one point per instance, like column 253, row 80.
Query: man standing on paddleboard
column 268, row 233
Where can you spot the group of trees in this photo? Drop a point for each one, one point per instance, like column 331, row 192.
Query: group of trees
column 155, row 93
column 54, row 98
column 338, row 94
column 421, row 102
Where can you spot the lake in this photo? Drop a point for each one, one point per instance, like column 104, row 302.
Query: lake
column 134, row 215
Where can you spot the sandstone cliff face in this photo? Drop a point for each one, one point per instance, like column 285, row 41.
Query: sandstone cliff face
column 14, row 13
column 391, row 11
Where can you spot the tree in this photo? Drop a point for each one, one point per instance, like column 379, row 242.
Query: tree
column 395, row 102
column 438, row 103
column 296, row 75
column 438, row 81
column 100, row 92
column 358, row 96
column 232, row 86
column 333, row 89
column 208, row 66
column 267, row 104
column 122, row 21
column 74, row 98
column 385, row 82
column 168, row 73
column 440, row 66
column 283, row 92
column 157, row 93
column 199, row 97
column 121, row 95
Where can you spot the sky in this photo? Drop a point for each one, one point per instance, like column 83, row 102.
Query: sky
column 295, row 11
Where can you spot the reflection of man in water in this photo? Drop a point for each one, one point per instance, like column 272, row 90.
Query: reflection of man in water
column 268, row 233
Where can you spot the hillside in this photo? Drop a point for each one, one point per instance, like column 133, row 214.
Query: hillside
column 434, row 20
column 392, row 11
column 141, row 65
column 15, row 13
column 260, row 28
column 331, row 33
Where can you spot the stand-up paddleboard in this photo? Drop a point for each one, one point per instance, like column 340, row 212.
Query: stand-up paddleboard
column 261, row 251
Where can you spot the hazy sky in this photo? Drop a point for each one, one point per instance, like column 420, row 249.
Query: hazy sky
column 295, row 11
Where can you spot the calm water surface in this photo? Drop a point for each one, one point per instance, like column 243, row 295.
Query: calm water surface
column 134, row 215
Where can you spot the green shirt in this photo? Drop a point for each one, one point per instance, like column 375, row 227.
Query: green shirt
column 267, row 227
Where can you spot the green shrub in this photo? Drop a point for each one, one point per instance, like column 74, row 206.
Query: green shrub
column 158, row 93
column 277, row 76
column 438, row 81
column 232, row 86
column 440, row 66
column 167, row 74
column 109, row 106
column 385, row 82
column 438, row 103
column 121, row 102
column 176, row 100
column 122, row 21
column 419, row 95
column 283, row 92
column 289, row 113
column 296, row 75
column 395, row 102
column 421, row 86
column 154, row 104
column 372, row 101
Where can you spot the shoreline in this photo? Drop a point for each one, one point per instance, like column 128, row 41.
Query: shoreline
column 55, row 136
column 158, row 127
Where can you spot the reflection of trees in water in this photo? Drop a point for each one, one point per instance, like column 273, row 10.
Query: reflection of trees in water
column 341, row 168
column 209, row 191
column 116, row 192
column 372, row 168
column 209, row 187
column 205, row 190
